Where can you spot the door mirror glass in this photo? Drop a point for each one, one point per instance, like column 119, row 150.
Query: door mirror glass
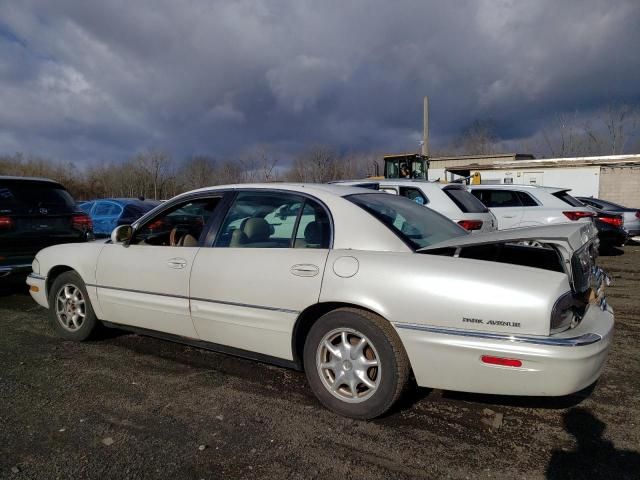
column 121, row 234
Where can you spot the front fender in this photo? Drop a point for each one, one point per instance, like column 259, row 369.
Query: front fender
column 443, row 291
column 81, row 257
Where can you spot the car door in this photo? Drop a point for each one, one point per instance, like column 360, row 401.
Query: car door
column 504, row 204
column 264, row 268
column 145, row 283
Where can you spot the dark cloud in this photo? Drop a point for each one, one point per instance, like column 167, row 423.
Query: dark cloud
column 99, row 81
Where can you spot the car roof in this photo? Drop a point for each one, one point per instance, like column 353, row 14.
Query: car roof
column 513, row 186
column 401, row 181
column 317, row 189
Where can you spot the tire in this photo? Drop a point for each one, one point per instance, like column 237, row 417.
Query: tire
column 78, row 328
column 364, row 348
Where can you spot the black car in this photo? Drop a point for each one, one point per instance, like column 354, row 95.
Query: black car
column 36, row 213
column 611, row 232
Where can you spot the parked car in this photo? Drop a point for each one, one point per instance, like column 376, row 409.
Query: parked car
column 108, row 213
column 357, row 287
column 451, row 200
column 36, row 213
column 531, row 205
column 631, row 215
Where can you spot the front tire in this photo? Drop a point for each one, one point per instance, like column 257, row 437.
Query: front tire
column 355, row 363
column 70, row 312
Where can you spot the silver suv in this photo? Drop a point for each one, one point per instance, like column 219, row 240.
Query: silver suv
column 531, row 205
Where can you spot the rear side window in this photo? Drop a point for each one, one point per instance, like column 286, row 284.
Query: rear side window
column 274, row 220
column 107, row 209
column 465, row 201
column 414, row 194
column 566, row 198
column 27, row 197
column 526, row 199
column 497, row 198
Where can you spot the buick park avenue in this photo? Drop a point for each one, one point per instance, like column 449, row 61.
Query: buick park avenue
column 363, row 290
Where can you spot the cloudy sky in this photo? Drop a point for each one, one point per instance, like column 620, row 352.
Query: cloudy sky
column 99, row 81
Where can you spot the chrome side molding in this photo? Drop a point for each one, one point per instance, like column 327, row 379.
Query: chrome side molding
column 579, row 341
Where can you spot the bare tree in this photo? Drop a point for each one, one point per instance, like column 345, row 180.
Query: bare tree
column 479, row 138
column 156, row 168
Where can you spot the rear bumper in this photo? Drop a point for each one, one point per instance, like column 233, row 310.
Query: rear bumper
column 551, row 365
column 38, row 289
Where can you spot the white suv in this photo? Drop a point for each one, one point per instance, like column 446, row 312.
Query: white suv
column 531, row 205
column 451, row 200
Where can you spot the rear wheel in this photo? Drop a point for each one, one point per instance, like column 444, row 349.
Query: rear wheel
column 355, row 363
column 70, row 311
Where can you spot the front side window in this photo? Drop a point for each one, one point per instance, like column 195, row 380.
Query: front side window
column 414, row 195
column 274, row 220
column 417, row 226
column 180, row 226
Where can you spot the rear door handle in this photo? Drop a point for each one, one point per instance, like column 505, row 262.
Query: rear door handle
column 177, row 263
column 305, row 270
column 508, row 216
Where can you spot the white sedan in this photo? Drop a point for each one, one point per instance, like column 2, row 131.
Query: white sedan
column 359, row 288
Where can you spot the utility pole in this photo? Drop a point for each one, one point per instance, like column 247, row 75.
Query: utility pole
column 425, row 131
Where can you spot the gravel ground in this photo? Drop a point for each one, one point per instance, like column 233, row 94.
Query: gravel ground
column 127, row 406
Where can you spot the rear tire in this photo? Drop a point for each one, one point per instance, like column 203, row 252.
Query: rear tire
column 70, row 312
column 355, row 363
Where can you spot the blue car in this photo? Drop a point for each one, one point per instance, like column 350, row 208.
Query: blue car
column 108, row 213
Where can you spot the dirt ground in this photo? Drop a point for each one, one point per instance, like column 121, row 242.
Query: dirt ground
column 127, row 406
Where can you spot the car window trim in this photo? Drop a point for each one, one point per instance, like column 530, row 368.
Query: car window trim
column 146, row 218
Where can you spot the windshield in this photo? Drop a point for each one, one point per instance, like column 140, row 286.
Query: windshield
column 414, row 224
column 32, row 197
column 465, row 201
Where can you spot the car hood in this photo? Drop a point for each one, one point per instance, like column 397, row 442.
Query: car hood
column 571, row 235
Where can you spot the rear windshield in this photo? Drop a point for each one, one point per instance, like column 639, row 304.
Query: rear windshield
column 465, row 201
column 416, row 225
column 566, row 198
column 26, row 197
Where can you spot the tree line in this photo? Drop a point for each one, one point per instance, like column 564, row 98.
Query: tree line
column 155, row 174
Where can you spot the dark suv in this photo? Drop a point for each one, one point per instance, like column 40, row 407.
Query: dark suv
column 36, row 213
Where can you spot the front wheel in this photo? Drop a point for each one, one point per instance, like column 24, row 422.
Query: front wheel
column 355, row 363
column 70, row 311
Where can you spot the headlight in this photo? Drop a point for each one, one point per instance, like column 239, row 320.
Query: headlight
column 35, row 266
column 563, row 313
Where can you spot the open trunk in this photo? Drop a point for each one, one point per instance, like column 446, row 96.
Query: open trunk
column 569, row 248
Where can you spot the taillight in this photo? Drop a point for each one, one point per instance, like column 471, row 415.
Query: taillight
column 638, row 214
column 616, row 221
column 578, row 215
column 504, row 362
column 81, row 221
column 6, row 223
column 470, row 224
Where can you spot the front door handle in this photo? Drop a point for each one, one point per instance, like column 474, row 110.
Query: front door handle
column 508, row 216
column 177, row 263
column 305, row 270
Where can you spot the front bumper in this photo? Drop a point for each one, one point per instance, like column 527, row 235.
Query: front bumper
column 38, row 289
column 551, row 366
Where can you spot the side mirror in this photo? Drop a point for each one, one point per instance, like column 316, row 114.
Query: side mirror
column 121, row 234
